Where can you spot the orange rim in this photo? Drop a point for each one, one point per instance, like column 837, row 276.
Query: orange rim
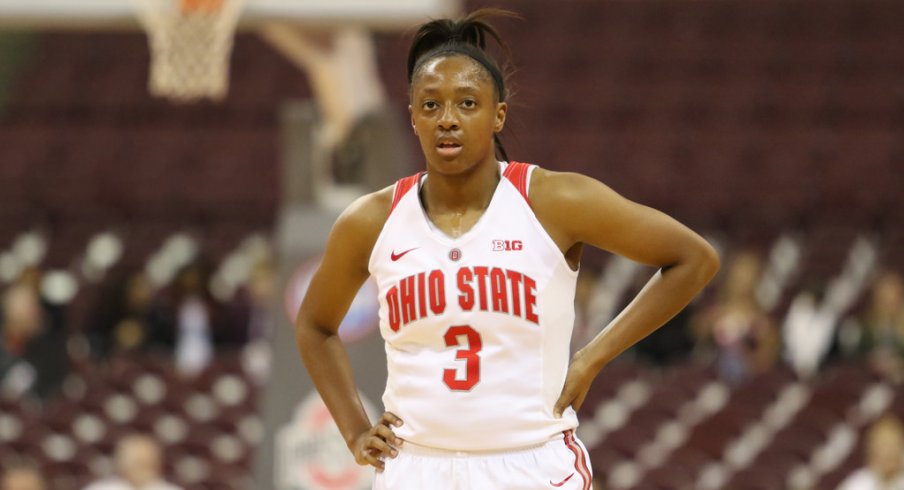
column 200, row 6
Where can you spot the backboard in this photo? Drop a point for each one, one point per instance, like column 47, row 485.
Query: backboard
column 121, row 14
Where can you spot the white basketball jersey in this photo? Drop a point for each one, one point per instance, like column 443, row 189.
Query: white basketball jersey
column 477, row 328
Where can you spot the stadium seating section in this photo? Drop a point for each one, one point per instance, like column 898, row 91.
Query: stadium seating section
column 208, row 424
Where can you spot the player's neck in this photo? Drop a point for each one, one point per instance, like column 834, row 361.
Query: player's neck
column 463, row 192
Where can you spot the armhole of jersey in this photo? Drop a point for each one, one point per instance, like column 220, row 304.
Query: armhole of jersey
column 519, row 175
column 402, row 187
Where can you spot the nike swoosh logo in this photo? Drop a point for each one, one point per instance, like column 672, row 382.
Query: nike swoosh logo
column 394, row 256
column 563, row 481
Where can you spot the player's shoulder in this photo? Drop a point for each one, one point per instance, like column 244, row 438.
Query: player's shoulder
column 358, row 228
column 368, row 213
column 549, row 186
column 558, row 198
column 546, row 178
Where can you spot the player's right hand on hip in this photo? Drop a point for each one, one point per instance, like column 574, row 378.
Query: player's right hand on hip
column 378, row 442
column 580, row 376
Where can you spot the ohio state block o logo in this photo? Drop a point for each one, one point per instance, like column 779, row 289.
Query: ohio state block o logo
column 454, row 254
column 311, row 453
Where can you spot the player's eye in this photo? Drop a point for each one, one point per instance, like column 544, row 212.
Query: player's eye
column 469, row 103
column 430, row 105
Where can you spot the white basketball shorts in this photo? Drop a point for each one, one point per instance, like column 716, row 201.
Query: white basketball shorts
column 561, row 463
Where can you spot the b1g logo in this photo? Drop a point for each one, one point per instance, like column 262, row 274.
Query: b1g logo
column 311, row 454
column 507, row 245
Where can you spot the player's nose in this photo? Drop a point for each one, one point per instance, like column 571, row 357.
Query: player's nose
column 448, row 118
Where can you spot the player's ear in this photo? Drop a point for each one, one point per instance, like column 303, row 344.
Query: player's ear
column 501, row 111
column 411, row 114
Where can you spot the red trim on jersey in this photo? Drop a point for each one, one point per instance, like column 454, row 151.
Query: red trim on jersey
column 516, row 172
column 402, row 187
column 580, row 459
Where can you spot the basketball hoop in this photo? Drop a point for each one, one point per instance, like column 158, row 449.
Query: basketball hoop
column 190, row 42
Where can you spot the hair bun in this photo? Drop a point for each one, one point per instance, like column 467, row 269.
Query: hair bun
column 470, row 30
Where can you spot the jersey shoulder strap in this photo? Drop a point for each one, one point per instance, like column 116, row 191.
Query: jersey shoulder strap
column 402, row 187
column 518, row 174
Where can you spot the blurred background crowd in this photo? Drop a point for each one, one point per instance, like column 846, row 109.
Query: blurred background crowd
column 129, row 316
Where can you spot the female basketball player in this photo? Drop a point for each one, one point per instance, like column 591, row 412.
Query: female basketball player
column 475, row 262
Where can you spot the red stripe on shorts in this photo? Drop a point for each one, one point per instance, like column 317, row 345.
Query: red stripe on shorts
column 580, row 460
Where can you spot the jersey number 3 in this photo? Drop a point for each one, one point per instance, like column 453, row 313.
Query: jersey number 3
column 469, row 353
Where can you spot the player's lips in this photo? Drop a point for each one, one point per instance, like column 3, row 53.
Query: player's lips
column 448, row 147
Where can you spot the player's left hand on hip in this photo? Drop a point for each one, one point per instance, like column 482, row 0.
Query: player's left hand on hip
column 577, row 384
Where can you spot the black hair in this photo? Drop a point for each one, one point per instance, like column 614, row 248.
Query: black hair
column 467, row 37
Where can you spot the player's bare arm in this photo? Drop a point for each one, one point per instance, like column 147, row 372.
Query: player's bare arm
column 576, row 209
column 333, row 287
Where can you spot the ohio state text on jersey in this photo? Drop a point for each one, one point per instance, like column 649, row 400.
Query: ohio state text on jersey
column 478, row 287
column 477, row 328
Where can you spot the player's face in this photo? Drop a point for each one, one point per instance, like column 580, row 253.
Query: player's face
column 454, row 112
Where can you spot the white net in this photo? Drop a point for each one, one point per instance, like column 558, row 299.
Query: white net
column 191, row 42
